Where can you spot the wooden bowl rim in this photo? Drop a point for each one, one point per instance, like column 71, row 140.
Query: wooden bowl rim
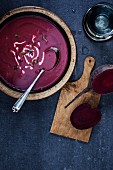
column 60, row 84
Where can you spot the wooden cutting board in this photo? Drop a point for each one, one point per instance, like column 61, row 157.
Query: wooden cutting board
column 61, row 123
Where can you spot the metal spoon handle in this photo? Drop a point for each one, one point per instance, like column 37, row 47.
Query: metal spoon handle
column 80, row 94
column 17, row 106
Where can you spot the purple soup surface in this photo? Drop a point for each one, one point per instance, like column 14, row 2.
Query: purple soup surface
column 23, row 46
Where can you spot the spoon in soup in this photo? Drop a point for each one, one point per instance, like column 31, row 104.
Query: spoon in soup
column 17, row 106
column 101, row 82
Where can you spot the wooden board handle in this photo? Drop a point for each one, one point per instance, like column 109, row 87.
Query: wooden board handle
column 88, row 66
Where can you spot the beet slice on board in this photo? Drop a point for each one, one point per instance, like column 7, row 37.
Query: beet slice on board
column 103, row 82
column 84, row 117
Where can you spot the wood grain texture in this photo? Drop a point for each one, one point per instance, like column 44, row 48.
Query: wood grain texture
column 61, row 123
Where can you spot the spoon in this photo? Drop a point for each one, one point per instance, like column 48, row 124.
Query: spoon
column 101, row 82
column 17, row 106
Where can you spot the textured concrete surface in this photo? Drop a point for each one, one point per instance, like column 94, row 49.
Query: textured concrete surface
column 25, row 141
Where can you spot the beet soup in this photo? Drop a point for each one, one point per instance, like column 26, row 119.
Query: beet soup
column 23, row 52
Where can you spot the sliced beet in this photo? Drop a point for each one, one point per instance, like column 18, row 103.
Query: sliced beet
column 84, row 117
column 103, row 83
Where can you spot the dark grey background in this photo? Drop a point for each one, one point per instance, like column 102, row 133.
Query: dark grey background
column 25, row 141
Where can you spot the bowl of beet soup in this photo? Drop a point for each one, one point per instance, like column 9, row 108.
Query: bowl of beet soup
column 26, row 35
